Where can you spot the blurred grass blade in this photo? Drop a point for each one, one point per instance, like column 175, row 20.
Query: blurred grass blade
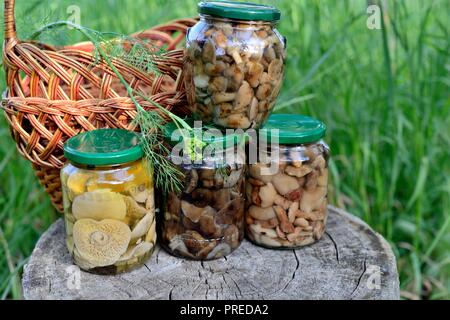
column 420, row 182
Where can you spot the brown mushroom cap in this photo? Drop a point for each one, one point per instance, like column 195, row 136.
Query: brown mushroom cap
column 201, row 197
column 194, row 213
column 244, row 95
column 275, row 69
column 194, row 241
column 192, row 178
column 101, row 243
column 208, row 225
column 173, row 203
column 209, row 52
column 222, row 198
column 227, row 214
column 285, row 225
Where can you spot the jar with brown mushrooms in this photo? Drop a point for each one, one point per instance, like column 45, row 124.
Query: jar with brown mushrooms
column 234, row 64
column 286, row 191
column 109, row 209
column 205, row 219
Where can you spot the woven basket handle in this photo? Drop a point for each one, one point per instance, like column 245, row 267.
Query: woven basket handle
column 10, row 21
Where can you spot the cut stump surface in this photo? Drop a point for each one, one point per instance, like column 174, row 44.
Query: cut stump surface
column 351, row 261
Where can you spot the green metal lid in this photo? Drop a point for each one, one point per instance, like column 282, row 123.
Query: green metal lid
column 239, row 10
column 209, row 135
column 103, row 147
column 294, row 129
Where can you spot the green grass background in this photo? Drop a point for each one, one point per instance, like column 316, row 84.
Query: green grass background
column 384, row 95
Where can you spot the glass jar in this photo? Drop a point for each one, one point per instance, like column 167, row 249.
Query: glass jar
column 205, row 220
column 287, row 195
column 108, row 197
column 234, row 64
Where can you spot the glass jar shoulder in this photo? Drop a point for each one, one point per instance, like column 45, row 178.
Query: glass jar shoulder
column 227, row 36
column 304, row 153
column 116, row 178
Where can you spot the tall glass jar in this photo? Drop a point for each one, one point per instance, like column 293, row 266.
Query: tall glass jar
column 234, row 64
column 287, row 192
column 108, row 197
column 205, row 220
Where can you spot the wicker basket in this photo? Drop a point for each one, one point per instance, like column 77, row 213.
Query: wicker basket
column 56, row 93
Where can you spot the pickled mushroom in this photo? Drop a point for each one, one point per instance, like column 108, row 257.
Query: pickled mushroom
column 151, row 234
column 312, row 199
column 284, row 183
column 298, row 171
column 134, row 210
column 193, row 180
column 194, row 241
column 142, row 226
column 263, row 231
column 140, row 193
column 261, row 213
column 267, row 194
column 220, row 250
column 99, row 205
column 76, row 183
column 231, row 180
column 258, row 171
column 100, row 243
column 177, row 244
column 136, row 251
column 208, row 225
column 194, row 213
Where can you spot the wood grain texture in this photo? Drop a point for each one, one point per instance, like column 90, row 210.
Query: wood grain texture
column 343, row 265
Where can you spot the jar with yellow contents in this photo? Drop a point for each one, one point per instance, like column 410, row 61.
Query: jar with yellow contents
column 108, row 197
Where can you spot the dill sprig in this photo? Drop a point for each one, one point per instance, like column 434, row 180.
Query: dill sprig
column 167, row 176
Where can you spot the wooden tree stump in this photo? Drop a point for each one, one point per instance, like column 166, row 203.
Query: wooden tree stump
column 350, row 262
